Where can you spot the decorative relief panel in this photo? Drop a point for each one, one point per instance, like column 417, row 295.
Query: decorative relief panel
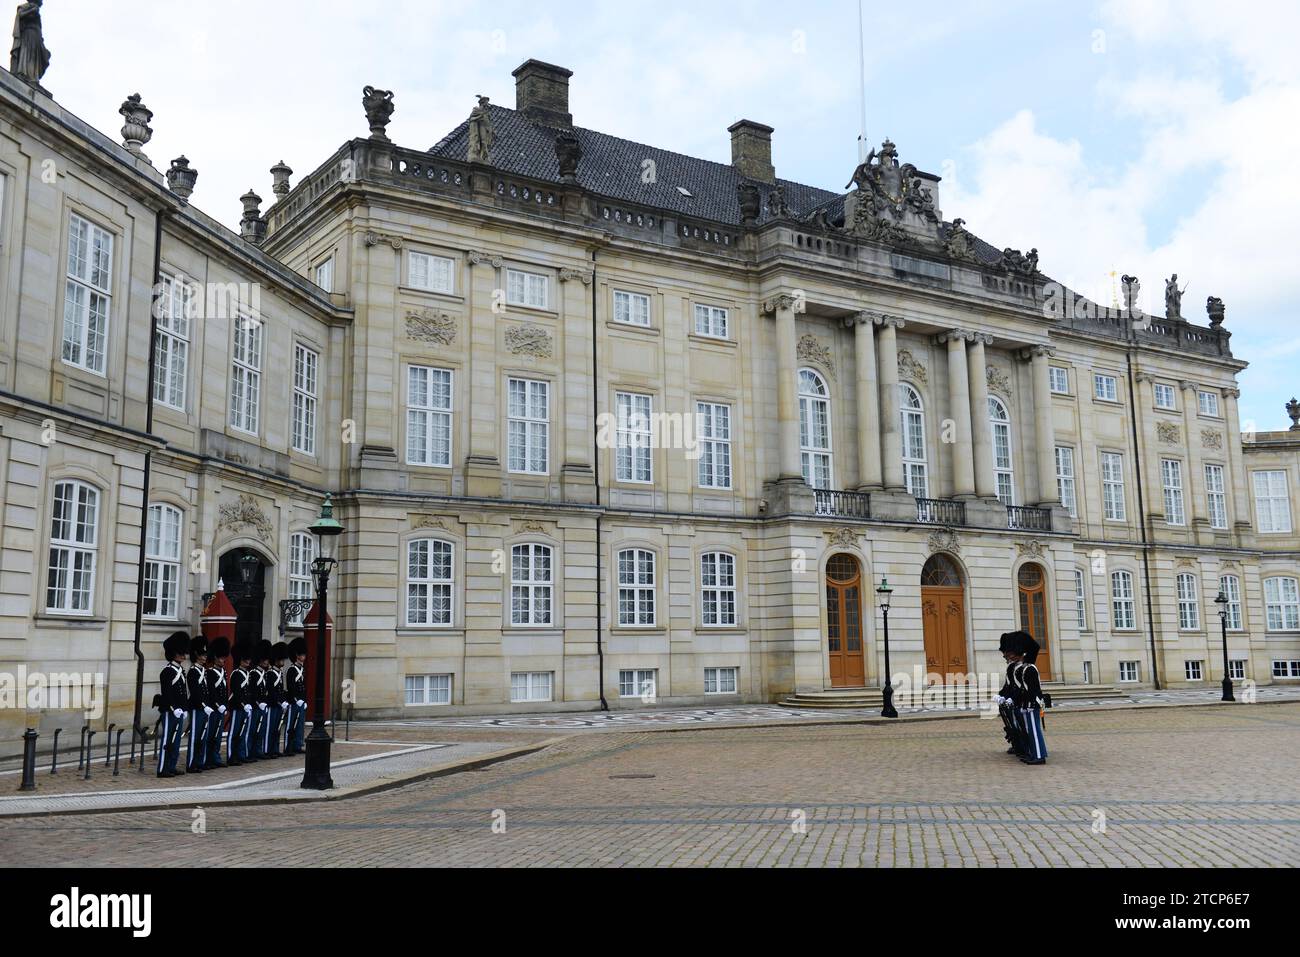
column 945, row 540
column 843, row 538
column 1211, row 439
column 1169, row 434
column 530, row 340
column 998, row 380
column 245, row 513
column 429, row 326
column 811, row 349
column 909, row 367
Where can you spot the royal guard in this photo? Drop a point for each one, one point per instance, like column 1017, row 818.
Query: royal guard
column 241, row 707
column 257, row 748
column 276, row 699
column 196, row 680
column 218, row 701
column 295, row 682
column 1030, row 702
column 1005, row 698
column 172, row 701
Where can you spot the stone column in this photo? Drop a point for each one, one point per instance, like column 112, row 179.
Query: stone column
column 483, row 464
column 890, row 422
column 1198, row 514
column 1239, row 492
column 986, row 485
column 1044, row 437
column 959, row 391
column 870, row 477
column 573, row 419
column 787, row 391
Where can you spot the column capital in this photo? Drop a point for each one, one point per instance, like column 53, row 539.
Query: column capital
column 1231, row 393
column 1038, row 352
column 585, row 276
column 954, row 335
column 785, row 300
column 982, row 338
column 480, row 258
column 887, row 321
column 1187, row 386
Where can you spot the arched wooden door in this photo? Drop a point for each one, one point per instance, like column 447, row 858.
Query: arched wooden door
column 1032, row 586
column 844, row 622
column 943, row 615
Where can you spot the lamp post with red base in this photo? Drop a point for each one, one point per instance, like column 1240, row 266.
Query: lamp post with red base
column 316, row 776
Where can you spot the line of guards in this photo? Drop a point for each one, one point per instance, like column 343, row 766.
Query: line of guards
column 264, row 700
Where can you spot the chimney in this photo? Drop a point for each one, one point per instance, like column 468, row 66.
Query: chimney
column 751, row 150
column 542, row 93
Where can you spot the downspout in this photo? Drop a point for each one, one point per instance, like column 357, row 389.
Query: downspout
column 148, row 469
column 1142, row 520
column 595, row 463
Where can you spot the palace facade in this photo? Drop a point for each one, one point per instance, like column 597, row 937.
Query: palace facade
column 601, row 421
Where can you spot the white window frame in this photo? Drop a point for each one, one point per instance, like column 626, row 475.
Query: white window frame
column 325, row 270
column 1230, row 586
column 246, row 374
column 916, row 469
column 1189, row 603
column 1272, row 504
column 715, row 683
column 1237, row 669
column 434, row 691
column 164, row 530
column 1123, row 601
column 635, row 571
column 532, row 290
column 1114, row 501
column 638, row 683
column 1058, row 378
column 817, row 458
column 1004, row 472
column 1166, row 396
column 532, row 585
column 429, row 273
column 302, row 552
column 1171, row 480
column 74, row 549
column 174, row 310
column 1208, row 404
column 1282, row 603
column 1216, row 495
column 1081, row 598
column 632, row 308
column 634, row 438
column 1194, row 670
column 1289, row 669
column 712, row 322
column 87, row 295
column 1130, row 672
column 719, row 598
column 1105, row 387
column 528, row 426
column 538, row 687
column 306, row 385
column 430, row 411
column 1066, row 487
column 713, row 434
column 430, row 586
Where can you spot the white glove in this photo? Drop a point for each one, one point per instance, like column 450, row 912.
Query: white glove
column 248, row 709
column 999, row 700
column 179, row 712
column 221, row 708
column 262, row 705
column 301, row 703
column 207, row 711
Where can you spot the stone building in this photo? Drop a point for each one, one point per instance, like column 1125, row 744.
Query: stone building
column 602, row 422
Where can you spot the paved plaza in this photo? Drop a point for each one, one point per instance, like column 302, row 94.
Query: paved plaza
column 1189, row 786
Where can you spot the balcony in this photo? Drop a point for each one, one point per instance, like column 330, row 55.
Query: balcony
column 934, row 511
column 1029, row 519
column 832, row 504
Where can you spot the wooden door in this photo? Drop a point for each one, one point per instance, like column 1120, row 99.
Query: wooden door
column 844, row 622
column 943, row 611
column 1032, row 586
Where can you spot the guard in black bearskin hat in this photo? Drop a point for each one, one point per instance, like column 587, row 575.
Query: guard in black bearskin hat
column 276, row 699
column 1030, row 702
column 172, row 701
column 241, row 707
column 261, row 706
column 196, row 680
column 218, row 701
column 1008, row 646
column 295, row 687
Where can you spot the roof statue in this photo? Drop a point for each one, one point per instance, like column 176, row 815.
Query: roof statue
column 481, row 134
column 29, row 59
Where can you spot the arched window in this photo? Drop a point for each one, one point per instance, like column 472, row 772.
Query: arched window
column 74, row 536
column 815, row 429
column 636, row 588
column 302, row 552
column 941, row 572
column 531, row 581
column 162, row 563
column 430, row 578
column 915, row 472
column 718, row 589
column 1003, row 470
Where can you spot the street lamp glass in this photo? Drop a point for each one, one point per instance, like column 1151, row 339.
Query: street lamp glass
column 248, row 565
column 884, row 591
column 320, row 570
column 1222, row 602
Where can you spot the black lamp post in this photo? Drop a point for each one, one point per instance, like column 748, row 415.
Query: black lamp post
column 248, row 566
column 316, row 775
column 884, row 591
column 1222, row 602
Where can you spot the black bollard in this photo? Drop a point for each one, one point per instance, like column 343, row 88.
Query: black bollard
column 108, row 745
column 29, row 760
column 117, row 759
column 89, row 738
column 54, row 760
column 81, row 748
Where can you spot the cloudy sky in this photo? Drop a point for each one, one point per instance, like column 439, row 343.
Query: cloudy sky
column 1136, row 136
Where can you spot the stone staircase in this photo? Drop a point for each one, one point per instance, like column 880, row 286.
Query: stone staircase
column 952, row 696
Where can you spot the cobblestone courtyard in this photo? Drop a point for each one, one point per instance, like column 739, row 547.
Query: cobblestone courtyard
column 1176, row 787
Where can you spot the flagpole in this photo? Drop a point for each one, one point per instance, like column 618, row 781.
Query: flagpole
column 862, row 86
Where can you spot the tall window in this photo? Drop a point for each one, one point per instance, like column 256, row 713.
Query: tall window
column 1272, row 502
column 1208, row 403
column 1230, row 585
column 302, row 552
column 246, row 375
column 162, row 563
column 632, row 308
column 636, row 587
column 915, row 472
column 815, row 429
column 1105, row 387
column 431, row 273
column 1282, row 604
column 718, row 589
column 1123, row 604
column 1112, row 486
column 1065, row 479
column 1002, row 467
column 428, row 416
column 711, row 321
column 174, row 307
column 714, row 424
column 634, row 437
column 87, row 297
column 1171, row 474
column 1081, row 598
column 73, row 537
column 529, row 426
column 305, row 363
column 430, row 577
column 1216, row 498
column 1189, row 604
column 1165, row 396
column 527, row 289
column 325, row 275
column 531, row 581
column 1059, row 380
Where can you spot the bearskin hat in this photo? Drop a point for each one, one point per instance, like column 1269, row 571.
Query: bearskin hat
column 297, row 647
column 243, row 652
column 280, row 651
column 220, row 648
column 265, row 650
column 198, row 647
column 1007, row 644
column 1029, row 648
column 177, row 644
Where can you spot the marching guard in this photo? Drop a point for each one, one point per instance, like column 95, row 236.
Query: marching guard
column 173, row 697
column 295, row 679
column 218, row 701
column 196, row 680
column 1006, row 706
column 1030, row 701
column 241, row 707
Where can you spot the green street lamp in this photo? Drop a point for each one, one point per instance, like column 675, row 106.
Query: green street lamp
column 884, row 592
column 1222, row 602
column 316, row 775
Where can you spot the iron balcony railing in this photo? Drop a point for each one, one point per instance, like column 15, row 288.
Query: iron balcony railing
column 934, row 511
column 1029, row 519
column 843, row 504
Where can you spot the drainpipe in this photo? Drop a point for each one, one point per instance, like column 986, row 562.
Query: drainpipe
column 148, row 470
column 595, row 463
column 1142, row 521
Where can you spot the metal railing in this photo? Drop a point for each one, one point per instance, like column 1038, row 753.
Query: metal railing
column 843, row 504
column 1029, row 519
column 935, row 511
